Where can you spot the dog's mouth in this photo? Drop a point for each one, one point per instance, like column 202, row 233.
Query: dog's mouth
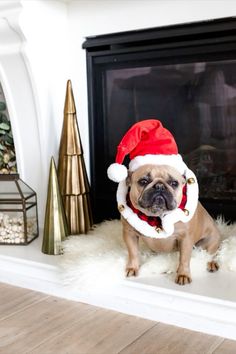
column 157, row 202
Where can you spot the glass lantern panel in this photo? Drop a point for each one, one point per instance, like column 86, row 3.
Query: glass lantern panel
column 11, row 227
column 9, row 190
column 25, row 189
column 30, row 201
column 32, row 225
column 11, row 207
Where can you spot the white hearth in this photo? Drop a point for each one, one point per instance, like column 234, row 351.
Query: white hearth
column 207, row 305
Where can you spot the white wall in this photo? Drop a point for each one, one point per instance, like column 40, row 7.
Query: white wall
column 45, row 27
column 93, row 17
column 45, row 24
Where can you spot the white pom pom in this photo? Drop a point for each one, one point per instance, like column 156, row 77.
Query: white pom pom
column 117, row 172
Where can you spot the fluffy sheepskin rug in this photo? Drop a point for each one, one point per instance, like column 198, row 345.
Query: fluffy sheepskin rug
column 98, row 259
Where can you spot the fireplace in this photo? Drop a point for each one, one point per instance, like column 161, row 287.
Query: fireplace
column 183, row 75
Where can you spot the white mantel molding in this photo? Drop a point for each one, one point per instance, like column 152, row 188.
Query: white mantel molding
column 17, row 84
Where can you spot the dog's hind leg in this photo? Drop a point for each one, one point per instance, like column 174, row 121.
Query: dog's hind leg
column 212, row 248
column 211, row 245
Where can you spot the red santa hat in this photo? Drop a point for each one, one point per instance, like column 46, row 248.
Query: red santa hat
column 148, row 142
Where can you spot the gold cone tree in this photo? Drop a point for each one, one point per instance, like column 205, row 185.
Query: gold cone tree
column 72, row 176
column 55, row 225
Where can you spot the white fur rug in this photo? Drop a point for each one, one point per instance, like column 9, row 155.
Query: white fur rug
column 99, row 258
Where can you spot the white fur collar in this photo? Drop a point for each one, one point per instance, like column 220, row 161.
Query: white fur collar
column 168, row 220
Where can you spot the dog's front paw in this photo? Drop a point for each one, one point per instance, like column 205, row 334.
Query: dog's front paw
column 183, row 279
column 212, row 266
column 131, row 271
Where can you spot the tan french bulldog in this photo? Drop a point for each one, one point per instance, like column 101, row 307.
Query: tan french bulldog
column 156, row 191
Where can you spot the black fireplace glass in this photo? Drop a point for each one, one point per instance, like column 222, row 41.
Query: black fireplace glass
column 195, row 101
column 183, row 75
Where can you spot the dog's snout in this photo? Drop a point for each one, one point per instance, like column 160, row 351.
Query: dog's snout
column 159, row 187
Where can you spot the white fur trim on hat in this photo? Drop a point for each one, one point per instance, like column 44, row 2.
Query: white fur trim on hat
column 117, row 172
column 175, row 161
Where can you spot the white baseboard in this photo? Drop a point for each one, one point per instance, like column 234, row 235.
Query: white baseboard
column 29, row 274
column 181, row 308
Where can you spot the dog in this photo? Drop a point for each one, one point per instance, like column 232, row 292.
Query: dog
column 156, row 191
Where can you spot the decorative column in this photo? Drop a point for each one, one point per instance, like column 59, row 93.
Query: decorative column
column 18, row 84
column 72, row 174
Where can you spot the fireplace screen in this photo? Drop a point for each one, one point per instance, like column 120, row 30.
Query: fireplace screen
column 197, row 102
column 183, row 75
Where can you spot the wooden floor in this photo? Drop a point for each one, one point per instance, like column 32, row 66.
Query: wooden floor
column 31, row 322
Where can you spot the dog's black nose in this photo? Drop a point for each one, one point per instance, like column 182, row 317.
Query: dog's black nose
column 159, row 187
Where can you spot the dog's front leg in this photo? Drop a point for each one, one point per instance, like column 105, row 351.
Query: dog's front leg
column 183, row 272
column 131, row 241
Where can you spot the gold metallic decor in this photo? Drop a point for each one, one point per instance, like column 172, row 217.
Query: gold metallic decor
column 186, row 212
column 72, row 174
column 191, row 180
column 121, row 208
column 18, row 211
column 55, row 225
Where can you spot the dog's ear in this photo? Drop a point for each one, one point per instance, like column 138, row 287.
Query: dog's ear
column 128, row 178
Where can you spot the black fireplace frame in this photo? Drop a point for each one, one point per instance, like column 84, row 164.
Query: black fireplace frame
column 182, row 43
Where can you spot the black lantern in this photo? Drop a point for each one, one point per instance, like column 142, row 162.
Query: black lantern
column 18, row 211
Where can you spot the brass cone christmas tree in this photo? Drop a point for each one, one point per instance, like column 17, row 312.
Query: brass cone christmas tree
column 72, row 176
column 55, row 225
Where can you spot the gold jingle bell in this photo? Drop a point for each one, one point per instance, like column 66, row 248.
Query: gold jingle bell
column 158, row 229
column 121, row 208
column 186, row 212
column 191, row 180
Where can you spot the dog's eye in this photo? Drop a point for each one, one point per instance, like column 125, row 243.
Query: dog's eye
column 143, row 182
column 174, row 184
